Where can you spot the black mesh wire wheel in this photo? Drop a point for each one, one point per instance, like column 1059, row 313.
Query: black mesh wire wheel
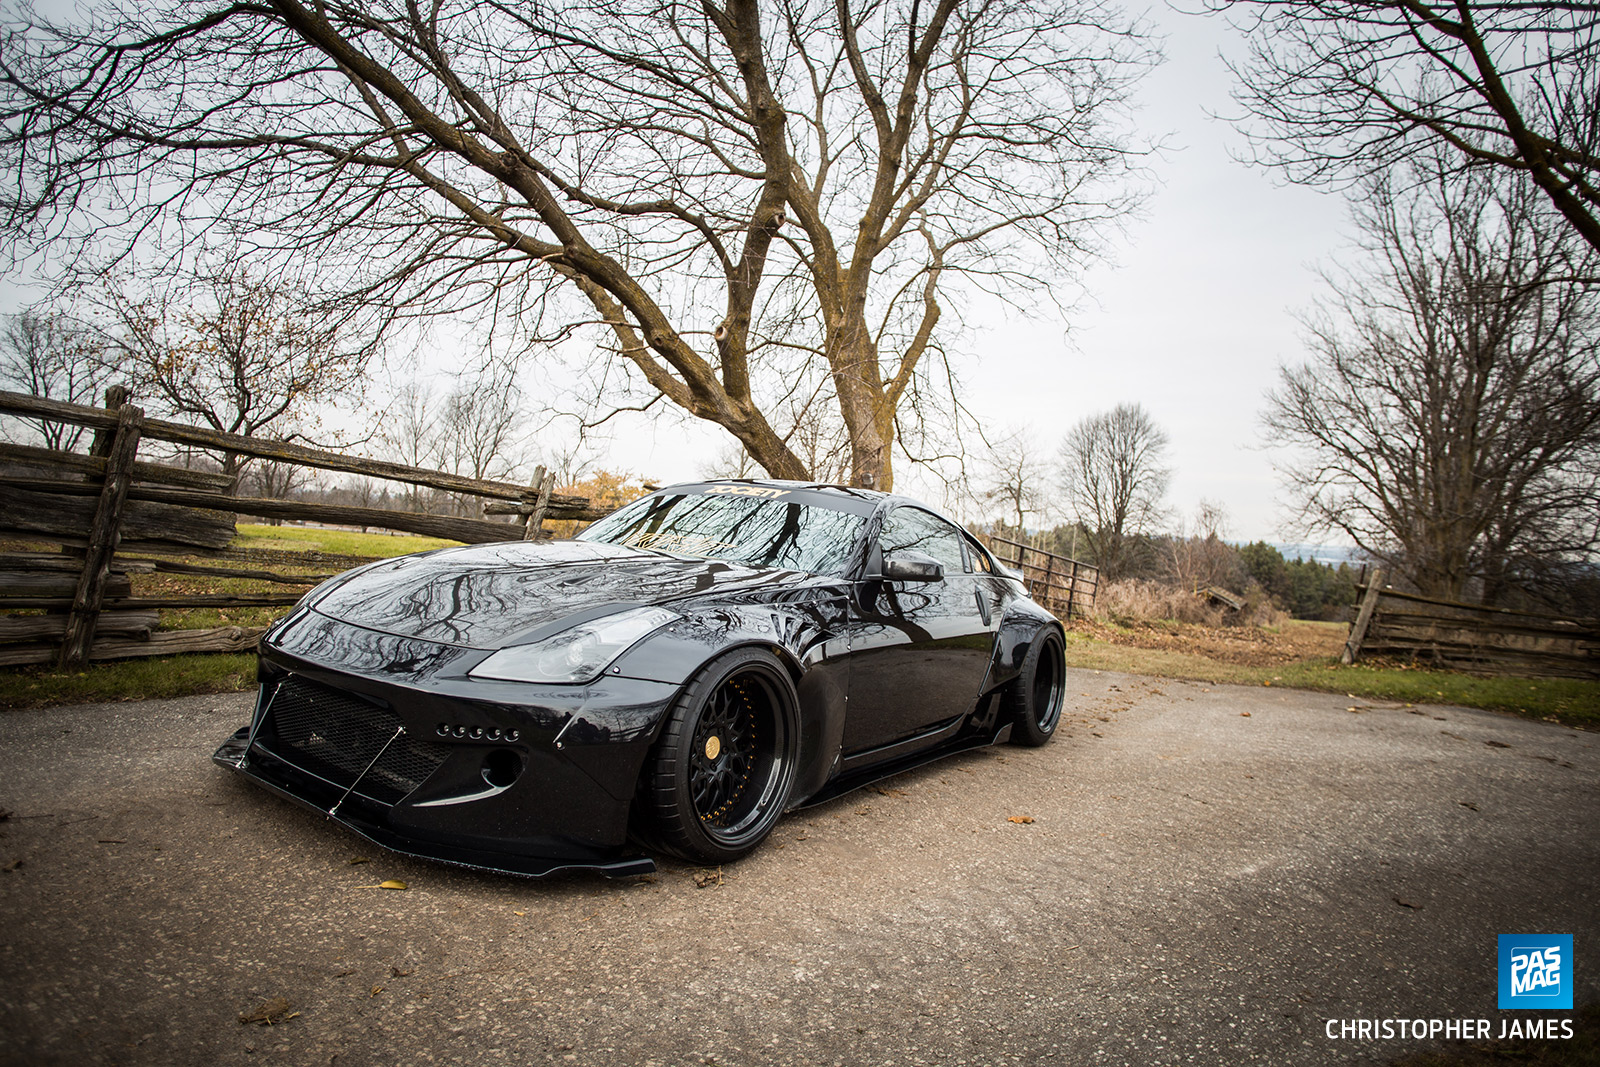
column 723, row 768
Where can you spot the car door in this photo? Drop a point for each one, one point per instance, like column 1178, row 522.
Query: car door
column 919, row 650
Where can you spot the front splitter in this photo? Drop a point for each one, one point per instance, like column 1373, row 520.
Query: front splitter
column 231, row 756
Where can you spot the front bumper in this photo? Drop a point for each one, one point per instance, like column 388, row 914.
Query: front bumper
column 366, row 818
column 442, row 767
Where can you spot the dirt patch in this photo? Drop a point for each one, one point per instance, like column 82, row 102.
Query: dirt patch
column 1245, row 646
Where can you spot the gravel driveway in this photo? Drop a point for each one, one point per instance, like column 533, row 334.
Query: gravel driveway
column 1212, row 873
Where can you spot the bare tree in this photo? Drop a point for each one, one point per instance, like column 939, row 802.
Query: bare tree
column 472, row 423
column 1114, row 480
column 482, row 429
column 409, row 434
column 1196, row 556
column 1354, row 87
column 1015, row 477
column 830, row 177
column 731, row 461
column 811, row 429
column 275, row 481
column 239, row 353
column 481, row 425
column 1448, row 420
column 821, row 442
column 47, row 354
column 572, row 461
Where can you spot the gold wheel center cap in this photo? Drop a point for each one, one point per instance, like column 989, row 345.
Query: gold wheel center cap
column 713, row 746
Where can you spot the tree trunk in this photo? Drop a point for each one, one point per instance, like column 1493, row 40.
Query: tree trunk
column 863, row 403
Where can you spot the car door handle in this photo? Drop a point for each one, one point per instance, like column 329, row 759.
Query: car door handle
column 983, row 605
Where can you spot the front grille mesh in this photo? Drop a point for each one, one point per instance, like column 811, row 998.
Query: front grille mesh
column 335, row 736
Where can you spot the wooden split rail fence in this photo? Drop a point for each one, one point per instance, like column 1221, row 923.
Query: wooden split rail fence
column 1470, row 637
column 1063, row 585
column 112, row 516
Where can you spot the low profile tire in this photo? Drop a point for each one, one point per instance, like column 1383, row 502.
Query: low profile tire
column 1035, row 697
column 724, row 765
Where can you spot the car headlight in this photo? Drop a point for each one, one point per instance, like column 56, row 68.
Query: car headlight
column 575, row 655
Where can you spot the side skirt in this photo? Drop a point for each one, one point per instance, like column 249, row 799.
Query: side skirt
column 850, row 780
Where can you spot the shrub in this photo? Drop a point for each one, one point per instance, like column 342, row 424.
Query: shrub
column 1135, row 600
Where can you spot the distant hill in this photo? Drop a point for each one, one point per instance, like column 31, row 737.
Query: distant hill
column 1332, row 555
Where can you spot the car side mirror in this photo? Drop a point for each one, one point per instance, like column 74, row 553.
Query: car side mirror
column 912, row 567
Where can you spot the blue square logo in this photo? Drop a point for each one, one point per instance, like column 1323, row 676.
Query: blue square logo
column 1536, row 971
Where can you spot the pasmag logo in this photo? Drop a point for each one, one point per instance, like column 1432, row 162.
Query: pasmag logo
column 1536, row 971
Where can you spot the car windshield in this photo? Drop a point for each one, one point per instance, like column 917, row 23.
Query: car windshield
column 727, row 525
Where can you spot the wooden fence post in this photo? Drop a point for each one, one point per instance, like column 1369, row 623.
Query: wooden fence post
column 1049, row 581
column 104, row 534
column 1072, row 588
column 545, row 484
column 116, row 396
column 100, row 444
column 1358, row 629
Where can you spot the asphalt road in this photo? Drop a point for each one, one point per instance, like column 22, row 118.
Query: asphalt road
column 1211, row 874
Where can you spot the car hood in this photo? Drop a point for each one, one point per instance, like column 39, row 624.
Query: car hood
column 490, row 596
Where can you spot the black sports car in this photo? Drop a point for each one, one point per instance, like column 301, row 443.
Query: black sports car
column 678, row 676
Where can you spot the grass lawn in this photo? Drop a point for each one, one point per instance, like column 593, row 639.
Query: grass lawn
column 1305, row 655
column 341, row 542
column 153, row 678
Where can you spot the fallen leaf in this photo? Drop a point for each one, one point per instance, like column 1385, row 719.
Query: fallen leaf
column 1244, row 715
column 519, row 914
column 392, row 883
column 706, row 879
column 12, row 866
column 375, row 991
column 1468, row 804
column 1019, row 818
column 358, row 859
column 273, row 1011
column 1407, row 904
column 1497, row 744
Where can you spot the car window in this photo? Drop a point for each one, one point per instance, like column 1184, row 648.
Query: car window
column 980, row 558
column 919, row 531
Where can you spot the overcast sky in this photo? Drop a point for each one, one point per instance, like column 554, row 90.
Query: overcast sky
column 1198, row 311
column 1191, row 319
